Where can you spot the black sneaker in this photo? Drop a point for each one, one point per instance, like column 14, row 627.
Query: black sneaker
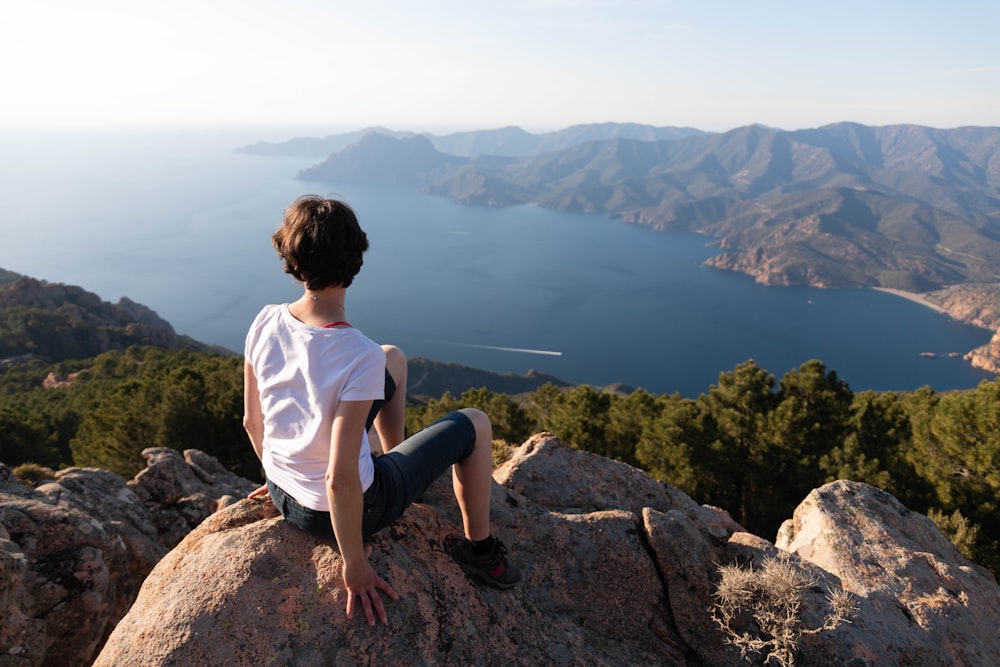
column 492, row 569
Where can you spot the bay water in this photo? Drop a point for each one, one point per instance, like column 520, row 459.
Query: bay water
column 178, row 221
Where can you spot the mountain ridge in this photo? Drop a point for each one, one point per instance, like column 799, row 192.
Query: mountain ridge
column 56, row 322
column 510, row 141
column 902, row 207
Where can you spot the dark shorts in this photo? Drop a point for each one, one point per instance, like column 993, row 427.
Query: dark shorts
column 401, row 476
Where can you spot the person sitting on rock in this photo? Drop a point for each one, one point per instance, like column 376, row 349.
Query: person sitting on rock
column 314, row 388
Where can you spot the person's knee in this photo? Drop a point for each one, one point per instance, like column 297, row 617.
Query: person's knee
column 481, row 422
column 393, row 353
column 395, row 361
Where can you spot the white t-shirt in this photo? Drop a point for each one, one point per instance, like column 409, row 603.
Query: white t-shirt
column 302, row 373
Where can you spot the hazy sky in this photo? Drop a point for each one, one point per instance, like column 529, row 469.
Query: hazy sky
column 458, row 64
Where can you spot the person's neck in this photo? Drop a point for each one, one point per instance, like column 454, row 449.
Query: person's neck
column 319, row 307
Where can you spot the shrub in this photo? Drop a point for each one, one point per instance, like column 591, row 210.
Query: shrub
column 760, row 611
column 501, row 451
column 31, row 474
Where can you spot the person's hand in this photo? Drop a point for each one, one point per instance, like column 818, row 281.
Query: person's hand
column 364, row 583
column 259, row 492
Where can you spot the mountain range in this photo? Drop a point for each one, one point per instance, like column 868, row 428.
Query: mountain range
column 506, row 141
column 907, row 208
column 845, row 205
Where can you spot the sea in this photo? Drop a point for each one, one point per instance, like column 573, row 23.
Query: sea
column 176, row 219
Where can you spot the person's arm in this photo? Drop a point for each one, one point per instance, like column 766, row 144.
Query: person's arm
column 346, row 499
column 253, row 418
column 253, row 415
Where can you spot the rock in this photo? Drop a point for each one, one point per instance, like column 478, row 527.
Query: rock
column 280, row 601
column 185, row 489
column 618, row 569
column 922, row 602
column 551, row 474
column 688, row 566
column 245, row 586
column 75, row 550
column 74, row 577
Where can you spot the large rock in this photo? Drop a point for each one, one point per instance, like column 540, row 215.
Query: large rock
column 553, row 476
column 246, row 587
column 75, row 550
column 611, row 577
column 922, row 602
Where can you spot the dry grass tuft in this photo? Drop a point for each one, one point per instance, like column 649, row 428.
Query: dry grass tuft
column 502, row 450
column 32, row 474
column 760, row 611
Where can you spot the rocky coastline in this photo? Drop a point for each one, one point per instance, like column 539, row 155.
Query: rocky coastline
column 975, row 304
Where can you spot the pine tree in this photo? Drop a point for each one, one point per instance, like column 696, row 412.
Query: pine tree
column 676, row 447
column 811, row 417
column 738, row 407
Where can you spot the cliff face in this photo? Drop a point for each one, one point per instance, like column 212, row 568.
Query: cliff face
column 987, row 356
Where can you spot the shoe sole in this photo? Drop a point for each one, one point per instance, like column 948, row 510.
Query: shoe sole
column 478, row 574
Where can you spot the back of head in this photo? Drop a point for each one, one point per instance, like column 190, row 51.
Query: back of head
column 320, row 242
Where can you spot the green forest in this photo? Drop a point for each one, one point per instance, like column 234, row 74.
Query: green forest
column 752, row 444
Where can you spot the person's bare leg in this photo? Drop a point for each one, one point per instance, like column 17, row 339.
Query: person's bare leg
column 375, row 443
column 472, row 478
column 390, row 423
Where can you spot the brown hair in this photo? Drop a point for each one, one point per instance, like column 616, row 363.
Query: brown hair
column 320, row 242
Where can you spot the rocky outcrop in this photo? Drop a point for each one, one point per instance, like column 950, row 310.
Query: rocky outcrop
column 986, row 357
column 974, row 303
column 619, row 569
column 75, row 550
column 922, row 601
column 771, row 265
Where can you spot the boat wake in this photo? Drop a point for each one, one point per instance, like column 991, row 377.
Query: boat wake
column 522, row 350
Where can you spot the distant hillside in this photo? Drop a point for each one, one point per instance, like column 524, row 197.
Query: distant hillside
column 514, row 142
column 315, row 146
column 7, row 277
column 507, row 141
column 56, row 322
column 431, row 379
column 902, row 206
column 383, row 160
